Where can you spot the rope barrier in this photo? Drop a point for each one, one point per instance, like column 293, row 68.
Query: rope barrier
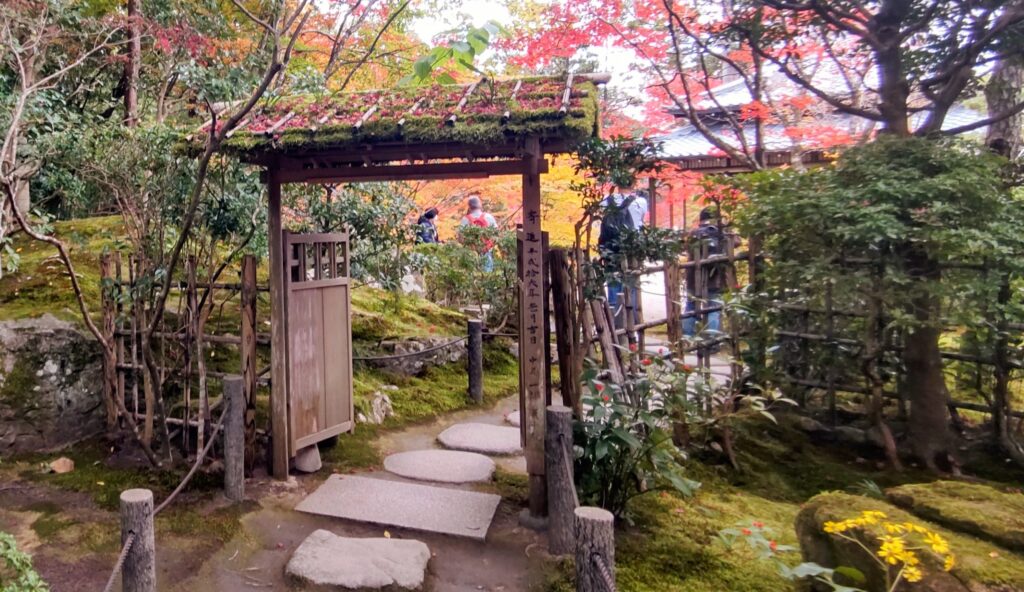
column 567, row 464
column 607, row 581
column 120, row 561
column 195, row 465
column 410, row 354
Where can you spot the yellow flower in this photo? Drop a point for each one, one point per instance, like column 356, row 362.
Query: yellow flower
column 949, row 563
column 892, row 550
column 937, row 543
column 912, row 574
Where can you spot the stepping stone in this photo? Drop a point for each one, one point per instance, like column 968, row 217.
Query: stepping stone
column 444, row 466
column 513, row 418
column 404, row 505
column 481, row 437
column 325, row 559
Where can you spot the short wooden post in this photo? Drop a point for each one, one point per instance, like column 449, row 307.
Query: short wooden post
column 234, row 439
column 595, row 545
column 561, row 486
column 475, row 359
column 139, row 571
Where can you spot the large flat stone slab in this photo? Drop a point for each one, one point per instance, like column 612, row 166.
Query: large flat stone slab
column 444, row 466
column 404, row 505
column 481, row 437
column 325, row 559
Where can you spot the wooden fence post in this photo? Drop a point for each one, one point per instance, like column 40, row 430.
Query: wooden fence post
column 565, row 329
column 561, row 483
column 234, row 439
column 673, row 310
column 139, row 571
column 595, row 545
column 249, row 359
column 475, row 359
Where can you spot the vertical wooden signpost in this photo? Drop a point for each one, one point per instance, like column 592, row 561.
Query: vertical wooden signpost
column 531, row 341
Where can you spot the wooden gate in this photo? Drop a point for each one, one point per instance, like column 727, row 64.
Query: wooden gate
column 319, row 337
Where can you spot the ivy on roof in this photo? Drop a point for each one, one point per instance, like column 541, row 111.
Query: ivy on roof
column 482, row 113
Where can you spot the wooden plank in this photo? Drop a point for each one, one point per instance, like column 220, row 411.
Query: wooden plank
column 306, row 363
column 338, row 355
column 436, row 170
column 531, row 302
column 278, row 330
column 566, row 95
column 322, row 435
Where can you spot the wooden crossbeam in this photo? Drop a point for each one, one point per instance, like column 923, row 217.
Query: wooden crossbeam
column 430, row 171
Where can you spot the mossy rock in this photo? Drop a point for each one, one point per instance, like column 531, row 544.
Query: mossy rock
column 973, row 508
column 980, row 566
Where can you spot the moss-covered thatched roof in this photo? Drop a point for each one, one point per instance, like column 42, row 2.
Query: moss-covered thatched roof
column 485, row 113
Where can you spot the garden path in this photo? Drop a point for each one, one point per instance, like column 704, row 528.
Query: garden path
column 507, row 560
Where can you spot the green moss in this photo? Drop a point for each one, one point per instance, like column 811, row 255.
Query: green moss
column 475, row 129
column 221, row 524
column 512, row 487
column 375, row 318
column 42, row 286
column 104, row 483
column 17, row 387
column 354, row 452
column 972, row 508
column 977, row 561
column 48, row 526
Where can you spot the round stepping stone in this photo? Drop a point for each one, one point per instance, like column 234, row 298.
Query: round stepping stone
column 513, row 418
column 325, row 559
column 443, row 466
column 481, row 437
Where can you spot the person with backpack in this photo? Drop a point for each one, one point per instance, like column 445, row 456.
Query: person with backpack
column 624, row 213
column 476, row 216
column 707, row 284
column 426, row 227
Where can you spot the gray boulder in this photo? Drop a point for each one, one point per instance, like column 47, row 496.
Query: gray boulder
column 51, row 385
column 325, row 559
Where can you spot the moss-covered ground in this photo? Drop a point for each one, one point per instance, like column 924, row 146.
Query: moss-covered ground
column 668, row 543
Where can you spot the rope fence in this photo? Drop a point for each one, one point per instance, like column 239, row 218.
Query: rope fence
column 125, row 548
column 412, row 353
column 606, row 580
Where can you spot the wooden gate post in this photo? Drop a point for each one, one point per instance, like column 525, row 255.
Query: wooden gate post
column 561, row 481
column 234, row 439
column 475, row 359
column 249, row 359
column 533, row 374
column 595, row 546
column 139, row 571
column 565, row 331
column 278, row 330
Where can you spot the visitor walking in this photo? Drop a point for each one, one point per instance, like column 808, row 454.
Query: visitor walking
column 705, row 285
column 476, row 216
column 426, row 227
column 624, row 213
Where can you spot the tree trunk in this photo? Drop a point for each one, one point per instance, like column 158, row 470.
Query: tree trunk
column 1002, row 93
column 131, row 95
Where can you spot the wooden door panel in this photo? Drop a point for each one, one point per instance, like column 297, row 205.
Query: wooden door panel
column 338, row 348
column 319, row 338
